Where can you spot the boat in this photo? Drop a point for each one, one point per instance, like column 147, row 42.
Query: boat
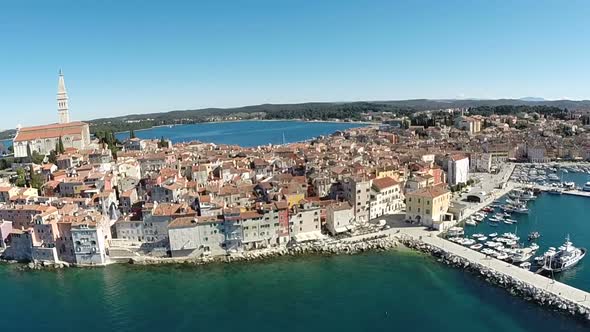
column 470, row 222
column 477, row 246
column 502, row 256
column 525, row 265
column 492, row 244
column 468, row 242
column 522, row 255
column 555, row 191
column 511, row 236
column 507, row 222
column 477, row 235
column 586, row 186
column 456, row 231
column 493, row 235
column 534, row 235
column 482, row 239
column 564, row 258
column 514, row 221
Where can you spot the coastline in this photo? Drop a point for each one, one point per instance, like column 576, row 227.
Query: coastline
column 252, row 120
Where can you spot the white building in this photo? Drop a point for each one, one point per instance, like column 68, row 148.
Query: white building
column 536, row 154
column 89, row 243
column 339, row 218
column 305, row 222
column 458, row 169
column 386, row 197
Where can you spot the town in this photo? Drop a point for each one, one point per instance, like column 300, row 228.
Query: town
column 77, row 199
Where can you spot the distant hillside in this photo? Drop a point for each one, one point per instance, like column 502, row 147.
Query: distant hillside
column 311, row 111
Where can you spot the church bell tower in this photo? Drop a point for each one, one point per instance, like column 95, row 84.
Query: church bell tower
column 62, row 100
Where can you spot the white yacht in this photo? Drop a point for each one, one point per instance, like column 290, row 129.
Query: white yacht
column 522, row 255
column 586, row 186
column 564, row 258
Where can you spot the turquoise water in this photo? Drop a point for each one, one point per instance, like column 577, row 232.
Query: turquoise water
column 578, row 178
column 554, row 216
column 244, row 133
column 374, row 292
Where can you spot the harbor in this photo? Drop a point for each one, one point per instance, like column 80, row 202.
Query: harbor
column 526, row 236
column 532, row 286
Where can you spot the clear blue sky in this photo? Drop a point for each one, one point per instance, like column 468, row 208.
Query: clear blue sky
column 122, row 57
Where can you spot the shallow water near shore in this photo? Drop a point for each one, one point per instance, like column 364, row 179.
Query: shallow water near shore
column 369, row 292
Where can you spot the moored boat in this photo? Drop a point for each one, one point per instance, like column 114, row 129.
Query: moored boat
column 564, row 258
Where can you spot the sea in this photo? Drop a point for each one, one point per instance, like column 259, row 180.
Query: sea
column 387, row 291
column 244, row 133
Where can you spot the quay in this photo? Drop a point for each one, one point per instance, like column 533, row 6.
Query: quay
column 543, row 290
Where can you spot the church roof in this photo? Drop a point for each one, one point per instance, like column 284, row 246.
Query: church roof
column 49, row 131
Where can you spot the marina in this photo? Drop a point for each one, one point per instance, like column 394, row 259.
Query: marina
column 550, row 219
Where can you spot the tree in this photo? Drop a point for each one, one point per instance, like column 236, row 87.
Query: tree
column 21, row 177
column 52, row 158
column 132, row 134
column 162, row 143
column 37, row 158
column 36, row 179
column 60, row 146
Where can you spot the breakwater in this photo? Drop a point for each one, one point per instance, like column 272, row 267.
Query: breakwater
column 531, row 290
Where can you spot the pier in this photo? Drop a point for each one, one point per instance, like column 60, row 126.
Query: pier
column 552, row 291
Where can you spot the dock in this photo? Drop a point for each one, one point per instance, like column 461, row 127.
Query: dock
column 560, row 290
column 573, row 192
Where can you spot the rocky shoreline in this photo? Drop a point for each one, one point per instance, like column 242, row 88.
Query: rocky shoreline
column 515, row 287
column 375, row 243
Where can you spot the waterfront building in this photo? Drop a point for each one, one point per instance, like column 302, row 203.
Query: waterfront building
column 157, row 219
column 90, row 243
column 44, row 139
column 536, row 154
column 358, row 193
column 458, row 169
column 5, row 229
column 429, row 206
column 386, row 197
column 305, row 222
column 197, row 236
column 339, row 218
column 481, row 162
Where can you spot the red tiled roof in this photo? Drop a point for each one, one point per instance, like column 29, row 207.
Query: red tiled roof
column 385, row 182
column 49, row 131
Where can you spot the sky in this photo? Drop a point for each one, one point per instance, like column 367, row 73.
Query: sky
column 127, row 57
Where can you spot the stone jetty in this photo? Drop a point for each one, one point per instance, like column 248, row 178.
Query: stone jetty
column 517, row 281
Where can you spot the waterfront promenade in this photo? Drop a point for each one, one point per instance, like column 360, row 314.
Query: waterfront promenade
column 556, row 288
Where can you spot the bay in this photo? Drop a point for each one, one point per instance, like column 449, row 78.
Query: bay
column 397, row 290
column 243, row 133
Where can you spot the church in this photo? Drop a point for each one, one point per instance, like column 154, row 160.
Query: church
column 44, row 139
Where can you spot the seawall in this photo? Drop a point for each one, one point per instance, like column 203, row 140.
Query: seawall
column 546, row 292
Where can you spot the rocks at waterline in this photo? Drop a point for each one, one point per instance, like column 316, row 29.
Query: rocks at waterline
column 515, row 287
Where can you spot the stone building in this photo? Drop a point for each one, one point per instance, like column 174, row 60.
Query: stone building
column 44, row 139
